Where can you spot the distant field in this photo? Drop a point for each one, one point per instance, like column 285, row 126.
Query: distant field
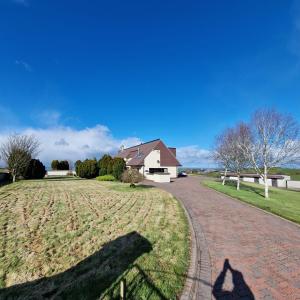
column 76, row 239
column 295, row 177
column 294, row 173
column 282, row 202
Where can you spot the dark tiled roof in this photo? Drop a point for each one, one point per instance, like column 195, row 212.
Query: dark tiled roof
column 139, row 152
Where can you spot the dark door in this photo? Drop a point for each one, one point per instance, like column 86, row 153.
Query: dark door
column 274, row 182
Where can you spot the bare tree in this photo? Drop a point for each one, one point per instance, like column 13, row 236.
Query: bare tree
column 238, row 160
column 221, row 153
column 228, row 153
column 17, row 152
column 274, row 141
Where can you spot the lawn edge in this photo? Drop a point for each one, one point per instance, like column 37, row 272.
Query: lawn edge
column 251, row 205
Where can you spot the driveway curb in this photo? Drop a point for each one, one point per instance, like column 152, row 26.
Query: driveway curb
column 198, row 282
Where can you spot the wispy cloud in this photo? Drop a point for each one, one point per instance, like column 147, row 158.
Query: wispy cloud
column 24, row 64
column 194, row 156
column 48, row 118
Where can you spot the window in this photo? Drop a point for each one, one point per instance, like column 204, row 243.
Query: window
column 158, row 170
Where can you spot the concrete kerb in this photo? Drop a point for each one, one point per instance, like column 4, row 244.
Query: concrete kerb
column 198, row 281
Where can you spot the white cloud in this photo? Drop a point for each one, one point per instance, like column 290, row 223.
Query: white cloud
column 24, row 64
column 194, row 156
column 63, row 142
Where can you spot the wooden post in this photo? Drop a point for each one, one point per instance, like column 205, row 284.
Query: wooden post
column 123, row 289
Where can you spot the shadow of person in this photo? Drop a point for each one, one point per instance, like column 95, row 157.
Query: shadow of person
column 240, row 287
column 90, row 277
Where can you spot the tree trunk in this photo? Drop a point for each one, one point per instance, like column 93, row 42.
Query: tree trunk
column 224, row 178
column 238, row 182
column 266, row 183
column 14, row 177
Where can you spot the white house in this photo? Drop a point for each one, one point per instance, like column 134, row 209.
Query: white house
column 153, row 159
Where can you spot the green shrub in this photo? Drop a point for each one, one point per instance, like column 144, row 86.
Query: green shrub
column 106, row 178
column 63, row 165
column 104, row 164
column 60, row 165
column 35, row 170
column 77, row 163
column 54, row 164
column 118, row 167
column 88, row 169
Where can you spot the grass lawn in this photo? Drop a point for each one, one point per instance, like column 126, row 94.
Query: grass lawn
column 281, row 202
column 76, row 239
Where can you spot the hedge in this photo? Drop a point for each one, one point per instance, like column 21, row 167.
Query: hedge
column 106, row 178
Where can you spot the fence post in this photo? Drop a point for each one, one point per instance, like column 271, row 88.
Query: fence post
column 123, row 289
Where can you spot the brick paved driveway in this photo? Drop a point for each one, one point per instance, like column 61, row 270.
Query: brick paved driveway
column 245, row 253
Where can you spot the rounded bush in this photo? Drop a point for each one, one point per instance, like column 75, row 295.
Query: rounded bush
column 35, row 170
column 132, row 176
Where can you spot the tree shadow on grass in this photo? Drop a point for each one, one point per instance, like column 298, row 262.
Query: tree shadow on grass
column 145, row 186
column 89, row 278
column 240, row 288
column 140, row 286
column 247, row 188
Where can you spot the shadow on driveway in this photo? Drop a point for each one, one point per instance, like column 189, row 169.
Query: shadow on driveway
column 240, row 288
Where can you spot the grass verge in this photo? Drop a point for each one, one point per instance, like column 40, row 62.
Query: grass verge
column 281, row 202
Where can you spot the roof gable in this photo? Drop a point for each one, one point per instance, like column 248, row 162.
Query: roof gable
column 167, row 157
column 138, row 153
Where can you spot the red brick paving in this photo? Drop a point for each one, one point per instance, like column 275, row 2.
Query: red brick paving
column 263, row 250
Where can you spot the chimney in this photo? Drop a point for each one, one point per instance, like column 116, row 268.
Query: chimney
column 122, row 148
column 138, row 153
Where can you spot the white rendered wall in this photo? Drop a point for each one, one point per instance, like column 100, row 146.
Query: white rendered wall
column 293, row 184
column 60, row 173
column 248, row 179
column 152, row 160
column 172, row 170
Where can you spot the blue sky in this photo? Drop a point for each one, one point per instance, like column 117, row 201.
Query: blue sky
column 116, row 72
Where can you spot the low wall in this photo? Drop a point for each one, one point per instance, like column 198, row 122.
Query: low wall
column 282, row 183
column 60, row 173
column 159, row 177
column 293, row 184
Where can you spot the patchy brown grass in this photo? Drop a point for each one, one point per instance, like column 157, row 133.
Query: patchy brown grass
column 78, row 238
